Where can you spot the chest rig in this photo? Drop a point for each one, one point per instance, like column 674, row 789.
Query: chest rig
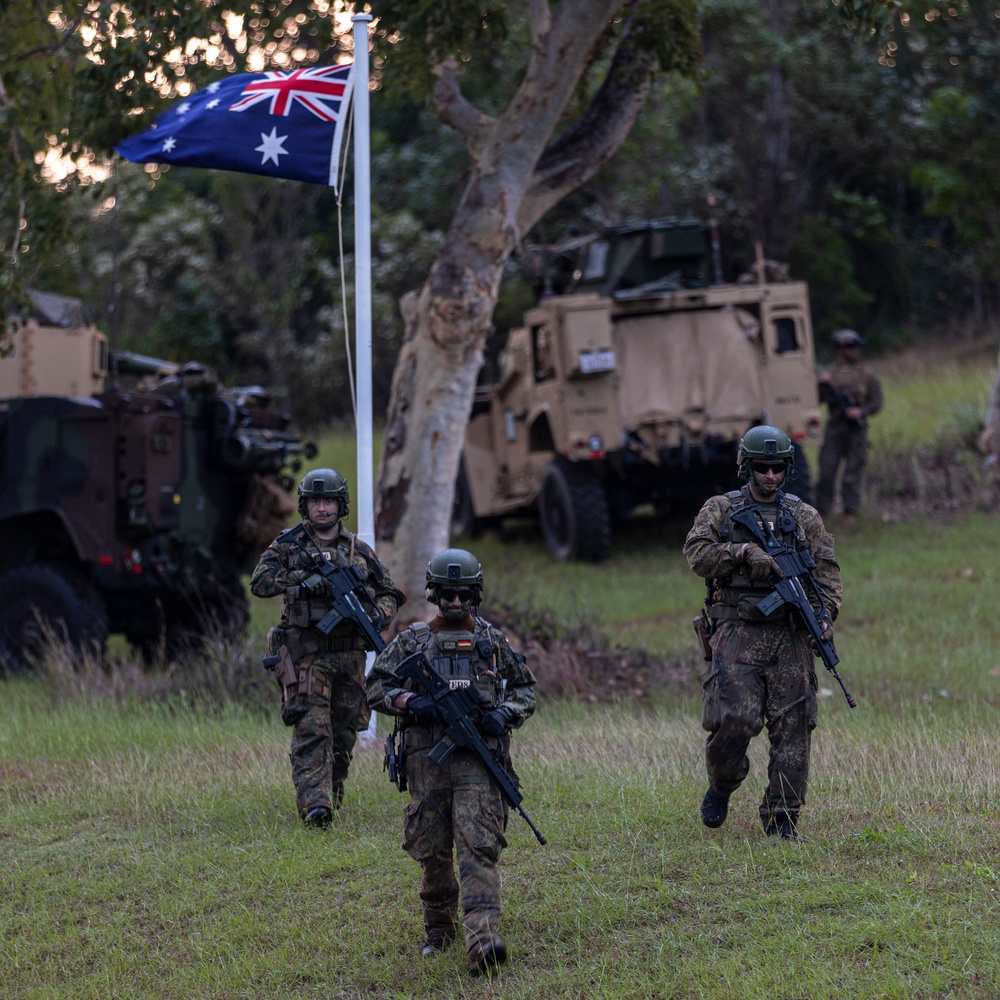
column 303, row 609
column 738, row 590
column 463, row 658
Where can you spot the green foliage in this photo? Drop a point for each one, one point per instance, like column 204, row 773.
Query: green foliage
column 822, row 257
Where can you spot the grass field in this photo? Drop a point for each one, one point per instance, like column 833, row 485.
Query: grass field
column 150, row 848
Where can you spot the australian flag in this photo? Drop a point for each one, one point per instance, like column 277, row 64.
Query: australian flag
column 279, row 124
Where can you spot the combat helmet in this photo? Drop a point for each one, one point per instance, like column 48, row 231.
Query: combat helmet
column 848, row 338
column 456, row 568
column 324, row 483
column 766, row 443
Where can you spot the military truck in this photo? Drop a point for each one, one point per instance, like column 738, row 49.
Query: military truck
column 133, row 492
column 631, row 383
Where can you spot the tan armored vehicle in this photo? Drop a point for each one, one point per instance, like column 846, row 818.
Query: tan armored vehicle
column 631, row 383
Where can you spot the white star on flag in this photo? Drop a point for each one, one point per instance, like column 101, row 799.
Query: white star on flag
column 271, row 146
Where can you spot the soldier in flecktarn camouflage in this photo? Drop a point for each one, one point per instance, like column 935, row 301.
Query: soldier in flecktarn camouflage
column 454, row 807
column 321, row 676
column 762, row 669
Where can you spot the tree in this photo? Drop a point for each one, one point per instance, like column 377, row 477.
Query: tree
column 74, row 74
column 593, row 59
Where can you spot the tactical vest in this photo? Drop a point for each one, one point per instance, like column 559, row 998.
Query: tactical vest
column 303, row 609
column 855, row 382
column 738, row 590
column 462, row 658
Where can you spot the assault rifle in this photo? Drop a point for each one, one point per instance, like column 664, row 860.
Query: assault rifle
column 790, row 590
column 459, row 706
column 841, row 399
column 346, row 582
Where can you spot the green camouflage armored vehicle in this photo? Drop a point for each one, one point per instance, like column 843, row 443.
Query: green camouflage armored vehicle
column 631, row 383
column 128, row 510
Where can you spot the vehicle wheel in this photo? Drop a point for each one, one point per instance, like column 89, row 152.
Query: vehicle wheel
column 39, row 603
column 464, row 522
column 800, row 481
column 573, row 506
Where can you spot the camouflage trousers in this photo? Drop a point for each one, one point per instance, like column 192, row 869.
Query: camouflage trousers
column 455, row 808
column 761, row 674
column 847, row 444
column 324, row 737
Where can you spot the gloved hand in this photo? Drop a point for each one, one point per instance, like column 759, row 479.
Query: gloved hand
column 424, row 710
column 760, row 566
column 378, row 619
column 315, row 584
column 495, row 721
column 827, row 636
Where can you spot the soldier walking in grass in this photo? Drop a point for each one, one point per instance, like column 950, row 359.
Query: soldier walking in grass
column 852, row 393
column 762, row 669
column 322, row 676
column 455, row 808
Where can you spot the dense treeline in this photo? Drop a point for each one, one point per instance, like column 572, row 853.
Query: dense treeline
column 865, row 164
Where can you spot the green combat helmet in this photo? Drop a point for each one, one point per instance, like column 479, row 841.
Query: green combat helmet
column 457, row 569
column 764, row 443
column 324, row 483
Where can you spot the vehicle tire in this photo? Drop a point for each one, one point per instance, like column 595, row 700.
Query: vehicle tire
column 39, row 602
column 800, row 481
column 464, row 523
column 574, row 511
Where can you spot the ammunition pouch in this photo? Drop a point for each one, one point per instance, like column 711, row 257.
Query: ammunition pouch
column 308, row 642
column 304, row 608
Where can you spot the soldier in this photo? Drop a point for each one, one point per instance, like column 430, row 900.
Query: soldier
column 762, row 669
column 852, row 394
column 321, row 676
column 455, row 806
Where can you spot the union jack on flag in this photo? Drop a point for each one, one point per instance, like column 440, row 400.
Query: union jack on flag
column 277, row 123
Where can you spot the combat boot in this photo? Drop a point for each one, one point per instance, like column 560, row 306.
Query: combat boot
column 438, row 939
column 782, row 827
column 338, row 794
column 320, row 816
column 714, row 808
column 487, row 956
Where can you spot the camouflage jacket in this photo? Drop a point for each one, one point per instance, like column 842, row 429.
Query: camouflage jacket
column 292, row 558
column 512, row 679
column 858, row 384
column 714, row 543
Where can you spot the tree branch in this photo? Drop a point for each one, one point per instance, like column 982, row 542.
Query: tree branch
column 597, row 134
column 455, row 110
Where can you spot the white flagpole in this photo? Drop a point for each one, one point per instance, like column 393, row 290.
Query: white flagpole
column 363, row 296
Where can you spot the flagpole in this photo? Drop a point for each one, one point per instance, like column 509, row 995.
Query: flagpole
column 363, row 298
column 363, row 280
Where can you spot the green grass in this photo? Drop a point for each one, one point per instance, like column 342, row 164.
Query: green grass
column 155, row 854
column 151, row 849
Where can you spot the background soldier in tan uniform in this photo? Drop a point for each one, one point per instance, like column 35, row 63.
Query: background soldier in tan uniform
column 852, row 394
column 762, row 669
column 454, row 806
column 322, row 677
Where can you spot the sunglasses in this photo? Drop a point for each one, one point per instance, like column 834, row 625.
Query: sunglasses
column 765, row 467
column 448, row 594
